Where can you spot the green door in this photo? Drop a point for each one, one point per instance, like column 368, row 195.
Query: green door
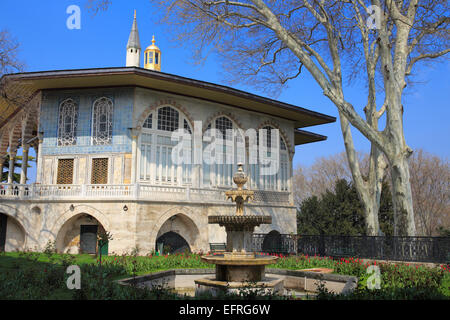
column 104, row 250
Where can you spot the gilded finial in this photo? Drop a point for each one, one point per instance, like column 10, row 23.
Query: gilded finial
column 153, row 40
column 135, row 13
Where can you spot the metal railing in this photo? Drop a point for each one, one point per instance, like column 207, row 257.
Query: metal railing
column 412, row 249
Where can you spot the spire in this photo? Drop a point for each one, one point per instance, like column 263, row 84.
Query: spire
column 133, row 40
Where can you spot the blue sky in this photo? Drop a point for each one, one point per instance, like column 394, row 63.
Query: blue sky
column 47, row 44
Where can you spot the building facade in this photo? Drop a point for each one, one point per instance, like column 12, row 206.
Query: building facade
column 104, row 143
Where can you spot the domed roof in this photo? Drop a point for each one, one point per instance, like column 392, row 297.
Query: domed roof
column 153, row 46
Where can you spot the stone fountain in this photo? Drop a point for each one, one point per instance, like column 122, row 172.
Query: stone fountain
column 238, row 267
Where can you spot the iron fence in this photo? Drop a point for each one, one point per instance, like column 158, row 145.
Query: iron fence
column 414, row 249
column 274, row 243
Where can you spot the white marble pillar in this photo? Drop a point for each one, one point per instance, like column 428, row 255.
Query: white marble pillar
column 12, row 160
column 134, row 136
column 23, row 172
column 39, row 163
column 2, row 162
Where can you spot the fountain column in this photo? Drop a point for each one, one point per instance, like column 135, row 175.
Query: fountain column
column 239, row 266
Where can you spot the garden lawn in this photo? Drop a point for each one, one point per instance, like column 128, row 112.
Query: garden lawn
column 42, row 276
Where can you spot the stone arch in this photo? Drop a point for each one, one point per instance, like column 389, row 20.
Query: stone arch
column 81, row 209
column 175, row 242
column 270, row 123
column 187, row 218
column 272, row 242
column 163, row 103
column 68, row 235
column 16, row 235
column 16, row 214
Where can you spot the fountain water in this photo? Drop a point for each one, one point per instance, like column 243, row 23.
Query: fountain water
column 239, row 267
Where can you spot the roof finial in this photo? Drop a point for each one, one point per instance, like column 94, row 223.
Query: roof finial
column 135, row 13
column 153, row 40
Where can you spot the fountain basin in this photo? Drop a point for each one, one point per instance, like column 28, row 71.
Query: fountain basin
column 299, row 283
column 239, row 267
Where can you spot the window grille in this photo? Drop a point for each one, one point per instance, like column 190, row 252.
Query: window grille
column 102, row 121
column 99, row 171
column 67, row 124
column 187, row 127
column 168, row 119
column 65, row 171
column 148, row 122
column 223, row 124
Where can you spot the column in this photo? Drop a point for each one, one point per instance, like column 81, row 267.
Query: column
column 197, row 151
column 134, row 136
column 23, row 173
column 12, row 160
column 39, row 163
column 2, row 162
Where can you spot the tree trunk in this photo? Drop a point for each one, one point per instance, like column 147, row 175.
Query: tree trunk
column 371, row 205
column 402, row 198
column 369, row 192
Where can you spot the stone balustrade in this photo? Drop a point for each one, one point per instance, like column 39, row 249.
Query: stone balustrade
column 142, row 192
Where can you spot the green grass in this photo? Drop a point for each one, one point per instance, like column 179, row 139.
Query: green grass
column 42, row 276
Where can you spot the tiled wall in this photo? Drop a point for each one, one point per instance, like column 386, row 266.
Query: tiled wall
column 122, row 120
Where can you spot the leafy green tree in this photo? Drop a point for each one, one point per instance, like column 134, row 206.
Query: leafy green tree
column 17, row 164
column 341, row 212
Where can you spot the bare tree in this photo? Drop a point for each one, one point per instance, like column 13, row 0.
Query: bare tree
column 430, row 183
column 323, row 174
column 267, row 43
column 9, row 63
column 9, row 48
column 94, row 6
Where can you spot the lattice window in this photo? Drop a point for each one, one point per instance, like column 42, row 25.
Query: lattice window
column 65, row 171
column 187, row 127
column 223, row 124
column 282, row 144
column 102, row 121
column 168, row 119
column 148, row 122
column 99, row 171
column 67, row 123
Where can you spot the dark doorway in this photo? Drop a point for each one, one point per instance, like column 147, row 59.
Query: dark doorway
column 3, row 222
column 173, row 243
column 272, row 242
column 88, row 239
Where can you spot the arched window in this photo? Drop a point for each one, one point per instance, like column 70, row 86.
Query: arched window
column 67, row 123
column 102, row 121
column 278, row 181
column 156, row 146
column 220, row 174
